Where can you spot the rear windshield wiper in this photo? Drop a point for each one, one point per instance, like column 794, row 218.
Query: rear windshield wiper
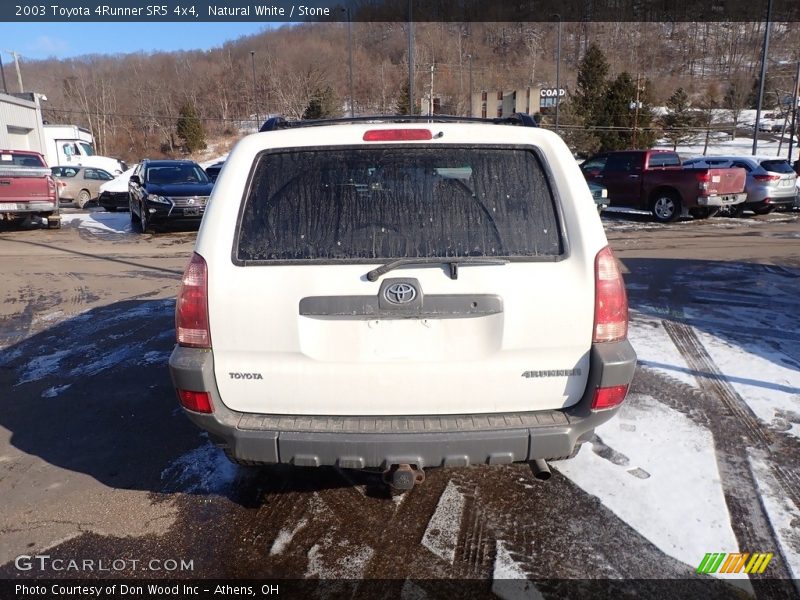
column 454, row 263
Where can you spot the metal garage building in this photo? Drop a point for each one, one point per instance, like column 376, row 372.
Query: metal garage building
column 21, row 122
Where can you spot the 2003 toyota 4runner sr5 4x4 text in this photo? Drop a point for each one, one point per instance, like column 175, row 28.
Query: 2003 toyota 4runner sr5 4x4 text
column 401, row 295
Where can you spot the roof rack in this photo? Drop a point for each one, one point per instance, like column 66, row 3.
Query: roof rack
column 275, row 123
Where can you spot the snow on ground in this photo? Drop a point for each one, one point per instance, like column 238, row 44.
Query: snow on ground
column 337, row 559
column 760, row 375
column 441, row 535
column 285, row 537
column 204, row 469
column 680, row 510
column 509, row 581
column 655, row 350
column 99, row 221
column 783, row 514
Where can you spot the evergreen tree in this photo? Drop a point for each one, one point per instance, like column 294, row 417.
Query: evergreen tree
column 322, row 105
column 678, row 118
column 591, row 86
column 616, row 113
column 190, row 129
column 403, row 101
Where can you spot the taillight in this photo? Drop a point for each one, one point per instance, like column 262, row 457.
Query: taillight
column 51, row 186
column 196, row 401
column 191, row 309
column 766, row 178
column 608, row 397
column 610, row 299
column 703, row 182
column 397, row 135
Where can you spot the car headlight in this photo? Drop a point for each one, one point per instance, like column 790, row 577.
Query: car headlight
column 156, row 198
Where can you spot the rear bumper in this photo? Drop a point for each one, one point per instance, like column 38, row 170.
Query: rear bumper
column 28, row 207
column 425, row 441
column 724, row 200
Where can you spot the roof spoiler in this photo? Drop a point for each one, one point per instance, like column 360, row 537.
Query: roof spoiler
column 276, row 123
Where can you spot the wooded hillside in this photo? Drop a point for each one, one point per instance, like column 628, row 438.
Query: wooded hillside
column 132, row 103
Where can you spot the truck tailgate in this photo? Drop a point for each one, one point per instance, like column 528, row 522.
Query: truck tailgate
column 726, row 181
column 24, row 184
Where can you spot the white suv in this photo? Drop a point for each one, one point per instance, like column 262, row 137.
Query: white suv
column 378, row 294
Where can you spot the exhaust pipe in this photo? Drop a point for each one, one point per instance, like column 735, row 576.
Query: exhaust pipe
column 540, row 469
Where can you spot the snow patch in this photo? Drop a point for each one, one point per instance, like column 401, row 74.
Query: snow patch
column 441, row 535
column 655, row 350
column 284, row 538
column 509, row 580
column 782, row 513
column 347, row 560
column 680, row 510
column 770, row 389
column 204, row 469
column 99, row 221
column 55, row 390
column 42, row 366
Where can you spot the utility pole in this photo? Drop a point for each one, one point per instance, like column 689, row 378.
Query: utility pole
column 470, row 84
column 19, row 73
column 763, row 77
column 635, row 115
column 795, row 99
column 3, row 74
column 255, row 105
column 410, row 58
column 558, row 69
column 430, row 104
column 350, row 57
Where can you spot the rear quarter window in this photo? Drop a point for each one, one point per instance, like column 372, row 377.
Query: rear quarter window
column 777, row 166
column 363, row 204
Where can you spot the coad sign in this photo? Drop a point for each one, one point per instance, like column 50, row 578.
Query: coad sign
column 549, row 96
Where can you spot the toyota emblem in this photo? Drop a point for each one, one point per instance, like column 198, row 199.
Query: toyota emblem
column 400, row 293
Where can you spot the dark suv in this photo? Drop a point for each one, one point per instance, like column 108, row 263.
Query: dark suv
column 167, row 190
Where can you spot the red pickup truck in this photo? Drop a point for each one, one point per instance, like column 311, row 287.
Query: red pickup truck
column 655, row 180
column 27, row 188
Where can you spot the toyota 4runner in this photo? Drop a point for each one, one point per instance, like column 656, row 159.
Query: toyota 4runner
column 408, row 294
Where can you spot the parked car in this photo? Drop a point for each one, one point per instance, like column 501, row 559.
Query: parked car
column 770, row 180
column 401, row 294
column 600, row 195
column 213, row 170
column 655, row 180
column 167, row 190
column 27, row 189
column 80, row 185
column 114, row 193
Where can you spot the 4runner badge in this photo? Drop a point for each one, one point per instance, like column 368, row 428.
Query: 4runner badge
column 245, row 375
column 552, row 373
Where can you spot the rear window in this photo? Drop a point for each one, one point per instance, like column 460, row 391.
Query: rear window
column 664, row 159
column 11, row 159
column 777, row 166
column 382, row 203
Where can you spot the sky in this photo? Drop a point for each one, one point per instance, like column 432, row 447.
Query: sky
column 35, row 41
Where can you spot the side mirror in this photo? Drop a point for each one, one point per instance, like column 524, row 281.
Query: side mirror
column 135, row 179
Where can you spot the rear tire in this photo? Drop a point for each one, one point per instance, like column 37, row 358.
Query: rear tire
column 763, row 210
column 84, row 197
column 666, row 207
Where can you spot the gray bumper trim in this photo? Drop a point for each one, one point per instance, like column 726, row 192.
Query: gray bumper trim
column 426, row 441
